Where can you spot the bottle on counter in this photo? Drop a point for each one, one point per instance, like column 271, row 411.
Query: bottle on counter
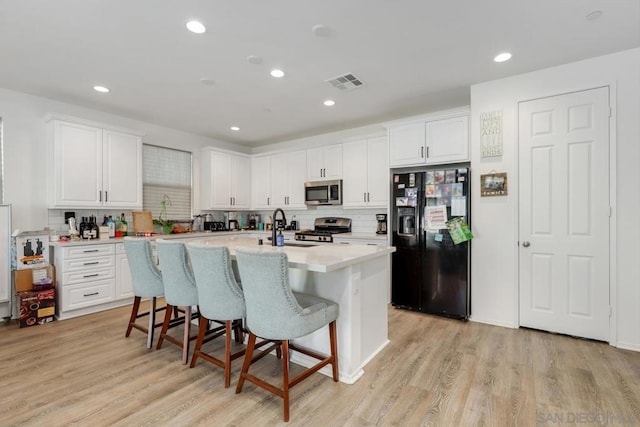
column 82, row 228
column 280, row 238
column 124, row 226
column 112, row 227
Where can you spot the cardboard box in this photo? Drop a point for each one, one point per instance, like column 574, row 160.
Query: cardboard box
column 35, row 279
column 31, row 249
column 36, row 307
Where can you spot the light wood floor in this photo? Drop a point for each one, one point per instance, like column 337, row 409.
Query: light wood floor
column 435, row 371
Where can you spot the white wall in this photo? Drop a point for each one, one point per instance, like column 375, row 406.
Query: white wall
column 495, row 219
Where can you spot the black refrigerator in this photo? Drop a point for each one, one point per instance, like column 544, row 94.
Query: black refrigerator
column 430, row 273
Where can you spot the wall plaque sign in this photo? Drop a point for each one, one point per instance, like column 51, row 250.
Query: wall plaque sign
column 491, row 134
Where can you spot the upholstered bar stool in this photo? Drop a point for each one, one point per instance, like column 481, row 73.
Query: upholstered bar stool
column 179, row 291
column 220, row 299
column 147, row 283
column 274, row 312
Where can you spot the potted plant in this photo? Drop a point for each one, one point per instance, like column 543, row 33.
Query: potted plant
column 162, row 221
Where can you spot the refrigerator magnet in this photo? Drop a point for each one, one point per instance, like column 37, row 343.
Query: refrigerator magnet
column 437, row 237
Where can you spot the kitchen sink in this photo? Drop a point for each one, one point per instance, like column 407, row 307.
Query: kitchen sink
column 299, row 245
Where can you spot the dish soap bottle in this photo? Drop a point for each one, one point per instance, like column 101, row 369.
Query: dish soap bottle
column 280, row 239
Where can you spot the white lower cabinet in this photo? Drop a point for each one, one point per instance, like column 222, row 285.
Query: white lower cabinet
column 124, row 283
column 91, row 278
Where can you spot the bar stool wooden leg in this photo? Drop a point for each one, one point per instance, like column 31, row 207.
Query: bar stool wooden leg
column 187, row 330
column 247, row 361
column 201, row 333
column 285, row 378
column 334, row 349
column 152, row 322
column 165, row 326
column 227, row 354
column 134, row 315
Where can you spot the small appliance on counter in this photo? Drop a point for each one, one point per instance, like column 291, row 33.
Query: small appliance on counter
column 324, row 229
column 382, row 224
column 214, row 226
column 232, row 220
column 254, row 220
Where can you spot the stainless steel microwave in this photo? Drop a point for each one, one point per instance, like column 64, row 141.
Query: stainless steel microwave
column 323, row 192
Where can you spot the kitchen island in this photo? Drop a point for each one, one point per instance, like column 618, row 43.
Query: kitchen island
column 356, row 277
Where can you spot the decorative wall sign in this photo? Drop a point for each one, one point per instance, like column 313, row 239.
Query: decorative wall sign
column 493, row 184
column 491, row 134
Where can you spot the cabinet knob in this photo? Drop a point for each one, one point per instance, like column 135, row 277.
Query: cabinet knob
column 526, row 244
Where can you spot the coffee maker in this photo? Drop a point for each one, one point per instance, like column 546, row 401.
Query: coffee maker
column 382, row 224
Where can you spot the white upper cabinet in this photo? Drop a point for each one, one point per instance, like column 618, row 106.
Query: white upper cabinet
column 261, row 182
column 366, row 173
column 279, row 180
column 324, row 163
column 95, row 167
column 407, row 144
column 226, row 180
column 447, row 140
column 430, row 141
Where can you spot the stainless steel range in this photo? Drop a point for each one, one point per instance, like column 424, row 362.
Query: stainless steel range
column 324, row 229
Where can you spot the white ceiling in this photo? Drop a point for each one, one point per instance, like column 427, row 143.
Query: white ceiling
column 414, row 56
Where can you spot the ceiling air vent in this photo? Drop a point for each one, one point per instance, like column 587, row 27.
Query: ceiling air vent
column 346, row 82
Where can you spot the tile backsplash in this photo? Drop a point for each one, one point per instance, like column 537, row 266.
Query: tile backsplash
column 362, row 220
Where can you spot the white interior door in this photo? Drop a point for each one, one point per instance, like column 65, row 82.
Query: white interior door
column 564, row 213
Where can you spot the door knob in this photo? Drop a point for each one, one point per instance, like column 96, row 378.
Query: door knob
column 526, row 244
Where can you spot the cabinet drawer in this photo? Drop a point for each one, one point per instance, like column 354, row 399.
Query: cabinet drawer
column 87, row 264
column 89, row 250
column 79, row 296
column 84, row 276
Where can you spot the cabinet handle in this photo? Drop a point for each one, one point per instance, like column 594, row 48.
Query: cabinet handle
column 422, row 152
column 100, row 196
column 106, row 196
column 91, row 275
column 368, row 197
column 92, row 263
column 86, row 251
column 364, row 197
column 427, row 151
column 90, row 295
column 268, row 201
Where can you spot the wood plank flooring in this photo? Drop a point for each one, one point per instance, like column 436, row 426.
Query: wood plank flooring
column 435, row 371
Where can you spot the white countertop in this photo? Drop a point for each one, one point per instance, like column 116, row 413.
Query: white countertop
column 289, row 235
column 323, row 258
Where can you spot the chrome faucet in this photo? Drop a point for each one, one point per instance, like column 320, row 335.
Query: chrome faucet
column 273, row 226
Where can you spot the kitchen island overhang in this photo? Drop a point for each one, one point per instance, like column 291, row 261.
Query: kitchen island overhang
column 357, row 278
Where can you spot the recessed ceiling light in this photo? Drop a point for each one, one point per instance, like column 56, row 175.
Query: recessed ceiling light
column 594, row 15
column 253, row 59
column 502, row 57
column 321, row 30
column 101, row 89
column 206, row 81
column 277, row 73
column 235, row 128
column 329, row 102
column 196, row 27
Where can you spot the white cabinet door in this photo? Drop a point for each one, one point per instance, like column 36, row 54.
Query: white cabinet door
column 378, row 184
column 366, row 173
column 261, row 182
column 279, row 180
column 122, row 171
column 297, row 176
column 216, row 182
column 124, row 283
column 407, row 144
column 324, row 162
column 77, row 165
column 226, row 180
column 354, row 186
column 240, row 182
column 333, row 162
column 447, row 140
column 95, row 167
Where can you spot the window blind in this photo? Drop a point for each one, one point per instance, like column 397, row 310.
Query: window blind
column 166, row 171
